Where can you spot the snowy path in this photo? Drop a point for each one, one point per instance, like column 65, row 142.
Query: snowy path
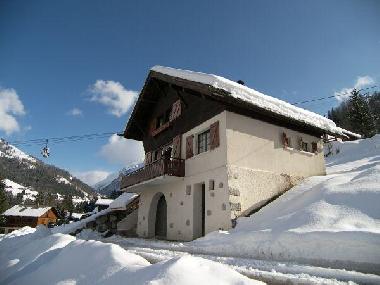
column 271, row 272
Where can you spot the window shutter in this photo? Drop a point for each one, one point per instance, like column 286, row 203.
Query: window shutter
column 214, row 135
column 176, row 110
column 177, row 146
column 285, row 140
column 148, row 158
column 153, row 124
column 300, row 141
column 189, row 146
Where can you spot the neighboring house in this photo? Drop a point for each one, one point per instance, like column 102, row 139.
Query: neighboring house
column 120, row 217
column 102, row 204
column 215, row 150
column 20, row 216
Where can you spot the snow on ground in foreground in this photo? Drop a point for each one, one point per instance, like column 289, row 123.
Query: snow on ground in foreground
column 331, row 220
column 29, row 256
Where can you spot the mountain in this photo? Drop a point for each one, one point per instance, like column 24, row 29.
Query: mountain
column 112, row 182
column 21, row 168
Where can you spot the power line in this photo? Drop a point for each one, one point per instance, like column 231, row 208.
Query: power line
column 332, row 96
column 58, row 140
column 87, row 137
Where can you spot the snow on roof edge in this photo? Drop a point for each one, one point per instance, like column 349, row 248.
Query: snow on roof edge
column 254, row 97
column 24, row 211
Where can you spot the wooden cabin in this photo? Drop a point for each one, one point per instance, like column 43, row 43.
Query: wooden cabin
column 21, row 216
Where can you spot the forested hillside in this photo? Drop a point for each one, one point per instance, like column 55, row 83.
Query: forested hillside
column 31, row 172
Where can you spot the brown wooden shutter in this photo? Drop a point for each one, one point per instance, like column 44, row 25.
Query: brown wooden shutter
column 176, row 110
column 148, row 158
column 153, row 124
column 285, row 140
column 300, row 143
column 177, row 146
column 214, row 135
column 189, row 146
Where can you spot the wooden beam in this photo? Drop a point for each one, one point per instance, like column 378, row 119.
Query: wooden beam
column 158, row 85
column 181, row 98
column 148, row 101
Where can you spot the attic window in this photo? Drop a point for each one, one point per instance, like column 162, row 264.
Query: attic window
column 164, row 118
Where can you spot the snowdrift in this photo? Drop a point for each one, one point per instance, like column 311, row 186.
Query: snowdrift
column 29, row 256
column 331, row 220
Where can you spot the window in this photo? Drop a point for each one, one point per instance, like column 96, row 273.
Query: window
column 204, row 141
column 164, row 118
column 314, row 147
column 305, row 146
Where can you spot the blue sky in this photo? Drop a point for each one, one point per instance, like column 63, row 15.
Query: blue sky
column 56, row 56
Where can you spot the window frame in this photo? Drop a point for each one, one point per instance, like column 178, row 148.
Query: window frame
column 203, row 136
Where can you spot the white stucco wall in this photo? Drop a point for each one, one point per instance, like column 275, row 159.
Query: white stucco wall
column 258, row 165
column 249, row 167
column 201, row 168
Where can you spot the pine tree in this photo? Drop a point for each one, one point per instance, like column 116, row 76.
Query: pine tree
column 360, row 116
column 40, row 199
column 67, row 203
column 3, row 198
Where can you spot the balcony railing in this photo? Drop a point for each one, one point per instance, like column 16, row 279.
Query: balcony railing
column 161, row 167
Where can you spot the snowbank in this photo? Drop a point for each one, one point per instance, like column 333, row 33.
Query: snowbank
column 40, row 257
column 327, row 220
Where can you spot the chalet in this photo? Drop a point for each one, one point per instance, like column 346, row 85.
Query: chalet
column 215, row 150
column 102, row 203
column 20, row 216
column 119, row 217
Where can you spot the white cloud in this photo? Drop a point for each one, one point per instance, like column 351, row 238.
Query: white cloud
column 361, row 82
column 114, row 96
column 10, row 107
column 92, row 177
column 75, row 112
column 121, row 151
column 364, row 81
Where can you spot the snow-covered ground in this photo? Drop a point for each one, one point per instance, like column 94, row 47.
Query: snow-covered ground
column 323, row 231
column 39, row 257
column 329, row 220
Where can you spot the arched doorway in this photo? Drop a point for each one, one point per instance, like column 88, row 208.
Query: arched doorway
column 157, row 219
column 161, row 218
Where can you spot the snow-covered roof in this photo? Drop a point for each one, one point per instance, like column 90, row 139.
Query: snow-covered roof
column 123, row 200
column 76, row 215
column 349, row 133
column 255, row 98
column 19, row 210
column 103, row 202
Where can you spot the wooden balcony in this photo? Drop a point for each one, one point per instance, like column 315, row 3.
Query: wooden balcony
column 161, row 167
